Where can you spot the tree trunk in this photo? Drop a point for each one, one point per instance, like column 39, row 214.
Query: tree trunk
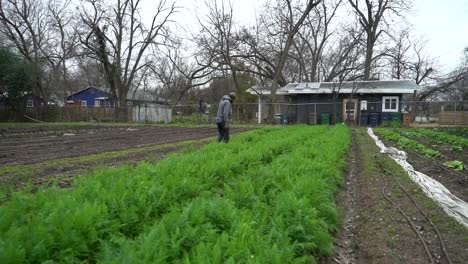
column 369, row 54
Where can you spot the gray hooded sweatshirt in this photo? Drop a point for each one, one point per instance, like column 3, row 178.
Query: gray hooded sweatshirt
column 224, row 109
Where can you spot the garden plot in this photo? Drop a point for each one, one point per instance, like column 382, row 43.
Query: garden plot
column 436, row 153
column 387, row 218
column 32, row 144
column 43, row 152
column 266, row 197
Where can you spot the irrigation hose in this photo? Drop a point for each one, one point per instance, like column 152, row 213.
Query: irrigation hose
column 428, row 253
column 442, row 244
column 425, row 215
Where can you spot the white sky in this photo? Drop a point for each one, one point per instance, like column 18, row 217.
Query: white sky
column 444, row 24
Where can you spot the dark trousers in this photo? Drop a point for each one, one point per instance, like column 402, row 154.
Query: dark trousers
column 223, row 132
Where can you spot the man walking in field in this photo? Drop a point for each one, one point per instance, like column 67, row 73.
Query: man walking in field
column 223, row 117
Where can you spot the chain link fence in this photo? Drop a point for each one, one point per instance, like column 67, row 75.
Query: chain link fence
column 453, row 113
column 450, row 113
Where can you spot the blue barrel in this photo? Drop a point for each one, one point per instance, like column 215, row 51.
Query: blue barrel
column 364, row 119
column 374, row 119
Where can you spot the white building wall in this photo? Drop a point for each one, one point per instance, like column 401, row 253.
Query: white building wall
column 152, row 113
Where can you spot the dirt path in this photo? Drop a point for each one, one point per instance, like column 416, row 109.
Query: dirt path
column 381, row 222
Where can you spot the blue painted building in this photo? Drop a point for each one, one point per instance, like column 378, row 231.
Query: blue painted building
column 91, row 97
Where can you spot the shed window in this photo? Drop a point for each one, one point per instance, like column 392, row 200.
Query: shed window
column 390, row 103
column 83, row 103
column 29, row 103
column 97, row 103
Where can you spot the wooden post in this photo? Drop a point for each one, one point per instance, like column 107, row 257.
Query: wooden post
column 315, row 116
column 259, row 110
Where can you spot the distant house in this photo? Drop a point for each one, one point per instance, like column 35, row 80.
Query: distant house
column 357, row 102
column 33, row 101
column 28, row 99
column 91, row 97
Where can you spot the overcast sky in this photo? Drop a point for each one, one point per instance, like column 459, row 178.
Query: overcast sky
column 444, row 24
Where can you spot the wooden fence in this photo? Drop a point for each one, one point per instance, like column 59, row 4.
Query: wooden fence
column 68, row 114
column 459, row 118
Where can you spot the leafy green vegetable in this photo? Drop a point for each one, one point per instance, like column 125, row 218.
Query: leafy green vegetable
column 455, row 164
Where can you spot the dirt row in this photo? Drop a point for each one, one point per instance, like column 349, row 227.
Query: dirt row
column 387, row 218
column 53, row 142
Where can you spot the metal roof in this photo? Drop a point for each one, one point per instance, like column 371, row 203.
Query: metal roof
column 361, row 87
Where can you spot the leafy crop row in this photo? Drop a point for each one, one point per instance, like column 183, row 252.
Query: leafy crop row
column 436, row 137
column 265, row 197
column 444, row 137
column 407, row 143
column 459, row 131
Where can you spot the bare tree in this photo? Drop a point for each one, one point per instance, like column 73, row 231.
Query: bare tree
column 89, row 72
column 294, row 27
column 260, row 51
column 117, row 37
column 266, row 48
column 408, row 59
column 343, row 61
column 399, row 54
column 421, row 66
column 217, row 39
column 178, row 75
column 372, row 15
column 450, row 87
column 313, row 39
column 63, row 45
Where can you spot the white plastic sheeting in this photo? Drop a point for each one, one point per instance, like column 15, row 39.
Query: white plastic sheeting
column 451, row 204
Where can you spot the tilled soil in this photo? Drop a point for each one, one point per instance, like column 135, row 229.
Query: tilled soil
column 384, row 215
column 456, row 182
column 40, row 154
column 33, row 144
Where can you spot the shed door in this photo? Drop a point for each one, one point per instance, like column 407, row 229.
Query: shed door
column 350, row 110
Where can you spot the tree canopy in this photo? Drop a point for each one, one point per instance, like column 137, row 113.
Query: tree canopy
column 15, row 78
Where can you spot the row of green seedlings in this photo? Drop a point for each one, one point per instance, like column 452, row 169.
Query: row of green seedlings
column 407, row 143
column 414, row 145
column 439, row 137
column 456, row 131
column 456, row 143
column 265, row 197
